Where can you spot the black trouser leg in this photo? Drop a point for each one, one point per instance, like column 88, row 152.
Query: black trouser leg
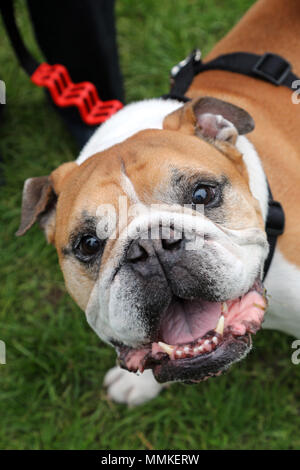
column 81, row 35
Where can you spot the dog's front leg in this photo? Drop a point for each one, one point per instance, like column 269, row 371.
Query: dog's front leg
column 127, row 387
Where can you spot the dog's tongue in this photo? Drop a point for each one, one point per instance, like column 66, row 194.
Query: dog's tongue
column 187, row 320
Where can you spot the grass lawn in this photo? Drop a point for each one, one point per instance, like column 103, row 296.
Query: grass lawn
column 50, row 388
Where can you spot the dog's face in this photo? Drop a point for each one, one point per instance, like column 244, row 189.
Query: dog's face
column 162, row 243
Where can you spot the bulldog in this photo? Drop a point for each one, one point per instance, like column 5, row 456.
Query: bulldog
column 159, row 223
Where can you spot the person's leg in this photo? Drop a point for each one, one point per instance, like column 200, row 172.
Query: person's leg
column 82, row 36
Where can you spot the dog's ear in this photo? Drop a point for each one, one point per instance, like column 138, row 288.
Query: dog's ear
column 39, row 200
column 211, row 119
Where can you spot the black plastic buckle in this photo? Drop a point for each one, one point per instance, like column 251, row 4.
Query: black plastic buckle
column 275, row 219
column 266, row 61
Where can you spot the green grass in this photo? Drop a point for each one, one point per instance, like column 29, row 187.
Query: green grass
column 50, row 388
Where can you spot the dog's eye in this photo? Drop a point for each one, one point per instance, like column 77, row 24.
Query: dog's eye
column 203, row 194
column 89, row 245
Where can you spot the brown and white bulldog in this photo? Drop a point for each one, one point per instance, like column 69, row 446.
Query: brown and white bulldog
column 159, row 223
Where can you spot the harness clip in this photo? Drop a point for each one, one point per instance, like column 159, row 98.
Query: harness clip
column 195, row 56
column 272, row 68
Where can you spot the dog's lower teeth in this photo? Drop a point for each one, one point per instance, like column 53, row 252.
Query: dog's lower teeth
column 207, row 347
column 203, row 345
column 166, row 347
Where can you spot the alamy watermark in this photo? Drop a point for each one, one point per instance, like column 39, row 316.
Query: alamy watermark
column 296, row 354
column 2, row 352
column 156, row 221
column 296, row 94
column 2, row 92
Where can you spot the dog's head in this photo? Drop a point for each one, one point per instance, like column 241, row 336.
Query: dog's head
column 162, row 243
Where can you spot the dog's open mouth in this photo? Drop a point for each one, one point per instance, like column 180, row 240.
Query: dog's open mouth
column 198, row 339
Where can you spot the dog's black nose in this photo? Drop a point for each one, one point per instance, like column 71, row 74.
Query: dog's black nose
column 172, row 243
column 137, row 252
column 141, row 249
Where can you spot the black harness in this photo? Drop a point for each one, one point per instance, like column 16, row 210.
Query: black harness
column 269, row 67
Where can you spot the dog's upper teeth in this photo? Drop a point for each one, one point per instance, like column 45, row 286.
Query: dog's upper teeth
column 224, row 308
column 220, row 326
column 166, row 347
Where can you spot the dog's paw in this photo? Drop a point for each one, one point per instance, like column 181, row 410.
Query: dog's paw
column 127, row 387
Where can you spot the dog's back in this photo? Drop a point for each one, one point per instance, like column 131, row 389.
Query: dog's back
column 270, row 25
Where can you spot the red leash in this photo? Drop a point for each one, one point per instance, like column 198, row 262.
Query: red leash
column 83, row 95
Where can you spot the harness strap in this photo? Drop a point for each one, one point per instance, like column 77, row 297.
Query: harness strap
column 274, row 227
column 269, row 67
